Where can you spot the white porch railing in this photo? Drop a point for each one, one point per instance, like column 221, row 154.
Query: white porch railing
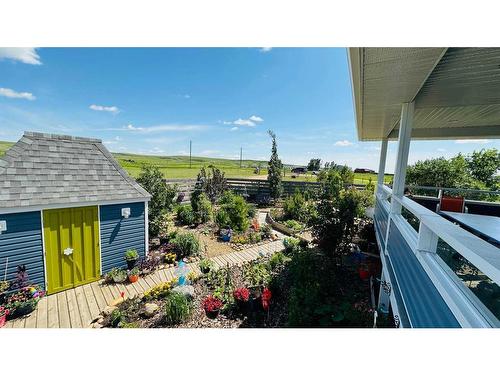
column 462, row 302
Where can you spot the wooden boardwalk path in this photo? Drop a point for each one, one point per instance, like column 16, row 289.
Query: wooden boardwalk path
column 76, row 308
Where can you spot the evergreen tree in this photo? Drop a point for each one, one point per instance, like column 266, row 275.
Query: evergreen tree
column 275, row 170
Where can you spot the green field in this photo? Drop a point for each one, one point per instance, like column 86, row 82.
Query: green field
column 177, row 167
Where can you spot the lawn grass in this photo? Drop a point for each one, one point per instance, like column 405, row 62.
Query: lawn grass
column 177, row 167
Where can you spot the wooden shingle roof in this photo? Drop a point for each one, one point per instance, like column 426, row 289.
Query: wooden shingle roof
column 46, row 169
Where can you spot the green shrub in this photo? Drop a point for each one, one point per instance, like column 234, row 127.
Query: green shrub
column 291, row 244
column 256, row 274
column 295, row 207
column 202, row 208
column 277, row 260
column 212, row 182
column 185, row 215
column 158, row 226
column 294, row 225
column 186, row 244
column 206, row 265
column 162, row 195
column 177, row 308
column 222, row 218
column 254, row 237
column 252, row 211
column 236, row 209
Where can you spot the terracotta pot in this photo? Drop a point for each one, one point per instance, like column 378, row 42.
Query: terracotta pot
column 133, row 278
column 212, row 314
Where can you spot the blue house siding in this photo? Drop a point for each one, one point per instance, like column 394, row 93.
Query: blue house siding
column 424, row 305
column 21, row 244
column 119, row 234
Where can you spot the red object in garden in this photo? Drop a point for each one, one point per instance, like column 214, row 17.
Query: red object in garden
column 212, row 306
column 363, row 274
column 241, row 294
column 122, row 294
column 266, row 299
column 3, row 315
column 256, row 225
column 133, row 278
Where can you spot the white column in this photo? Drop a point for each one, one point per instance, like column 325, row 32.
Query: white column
column 405, row 127
column 381, row 164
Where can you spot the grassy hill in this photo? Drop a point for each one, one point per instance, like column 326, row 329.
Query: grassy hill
column 178, row 166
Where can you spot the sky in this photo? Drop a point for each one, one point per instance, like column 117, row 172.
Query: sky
column 155, row 100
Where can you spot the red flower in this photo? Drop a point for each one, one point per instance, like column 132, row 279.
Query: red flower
column 212, row 304
column 266, row 298
column 241, row 294
column 122, row 294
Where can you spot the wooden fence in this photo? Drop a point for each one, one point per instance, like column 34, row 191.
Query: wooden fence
column 249, row 187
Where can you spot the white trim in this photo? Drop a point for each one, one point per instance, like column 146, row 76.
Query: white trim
column 146, row 228
column 381, row 164
column 11, row 210
column 44, row 253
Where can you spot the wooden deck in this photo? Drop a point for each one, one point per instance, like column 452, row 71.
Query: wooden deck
column 76, row 308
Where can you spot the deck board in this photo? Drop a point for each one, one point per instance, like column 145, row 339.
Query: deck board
column 53, row 316
column 74, row 312
column 62, row 309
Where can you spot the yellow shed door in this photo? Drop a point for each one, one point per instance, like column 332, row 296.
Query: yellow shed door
column 71, row 237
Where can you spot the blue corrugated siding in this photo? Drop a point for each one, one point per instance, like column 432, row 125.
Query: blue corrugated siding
column 424, row 305
column 21, row 243
column 119, row 234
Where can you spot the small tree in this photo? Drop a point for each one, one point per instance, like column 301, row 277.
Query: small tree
column 314, row 165
column 162, row 195
column 212, row 181
column 275, row 169
column 484, row 165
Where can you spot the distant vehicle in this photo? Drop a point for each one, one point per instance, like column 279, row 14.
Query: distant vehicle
column 299, row 170
column 364, row 170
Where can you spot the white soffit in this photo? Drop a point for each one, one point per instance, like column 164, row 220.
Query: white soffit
column 456, row 91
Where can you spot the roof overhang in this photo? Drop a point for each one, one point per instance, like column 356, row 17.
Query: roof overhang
column 456, row 91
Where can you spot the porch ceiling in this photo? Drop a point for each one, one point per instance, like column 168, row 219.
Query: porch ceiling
column 456, row 91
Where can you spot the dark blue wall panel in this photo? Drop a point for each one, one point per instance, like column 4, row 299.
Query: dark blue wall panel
column 119, row 234
column 22, row 244
column 424, row 305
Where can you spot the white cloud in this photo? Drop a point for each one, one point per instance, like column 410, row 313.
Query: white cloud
column 250, row 122
column 481, row 141
column 441, row 149
column 256, row 118
column 24, row 55
column 187, row 96
column 344, row 143
column 164, row 128
column 113, row 142
column 9, row 93
column 111, row 109
column 234, row 128
column 266, row 49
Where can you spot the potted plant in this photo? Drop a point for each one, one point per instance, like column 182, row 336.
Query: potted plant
column 206, row 265
column 24, row 301
column 225, row 234
column 131, row 257
column 118, row 275
column 133, row 275
column 4, row 285
column 4, row 312
column 212, row 306
column 241, row 296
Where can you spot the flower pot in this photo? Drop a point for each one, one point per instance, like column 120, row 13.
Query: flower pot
column 212, row 314
column 119, row 278
column 131, row 263
column 242, row 305
column 3, row 319
column 24, row 309
column 363, row 274
column 133, row 278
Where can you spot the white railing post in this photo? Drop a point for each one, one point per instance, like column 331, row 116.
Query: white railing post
column 381, row 164
column 427, row 239
column 384, row 295
column 405, row 127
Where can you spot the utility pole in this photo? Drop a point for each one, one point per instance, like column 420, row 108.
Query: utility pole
column 190, row 145
column 241, row 155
